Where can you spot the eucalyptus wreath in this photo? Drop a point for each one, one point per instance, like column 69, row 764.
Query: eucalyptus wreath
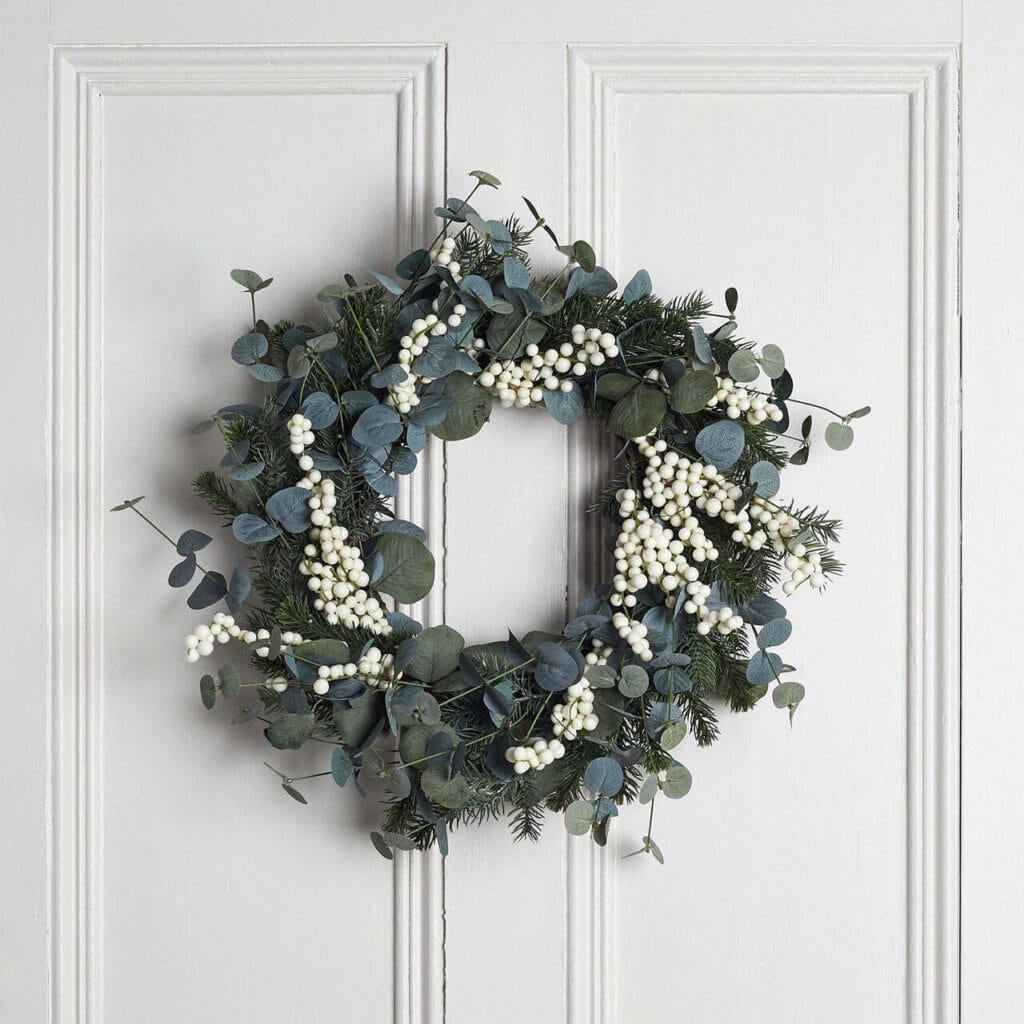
column 582, row 722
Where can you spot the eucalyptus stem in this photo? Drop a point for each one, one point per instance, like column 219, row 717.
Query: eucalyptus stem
column 173, row 543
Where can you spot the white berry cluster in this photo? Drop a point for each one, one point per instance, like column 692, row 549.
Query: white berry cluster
column 403, row 395
column 634, row 633
column 374, row 666
column 538, row 755
column 335, row 569
column 523, row 383
column 723, row 619
column 648, row 551
column 443, row 256
column 738, row 402
column 782, row 531
column 200, row 642
column 576, row 715
column 300, row 434
column 598, row 654
column 672, row 482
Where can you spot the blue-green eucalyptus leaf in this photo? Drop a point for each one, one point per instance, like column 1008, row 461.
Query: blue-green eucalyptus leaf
column 774, row 633
column 721, row 443
column 249, row 348
column 213, row 587
column 290, row 508
column 252, row 529
column 604, row 775
column 191, row 541
column 639, row 286
column 181, row 575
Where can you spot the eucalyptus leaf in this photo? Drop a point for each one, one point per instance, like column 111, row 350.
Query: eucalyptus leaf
column 290, row 507
column 638, row 413
column 408, row 567
column 471, row 408
column 191, row 541
column 677, row 782
column 639, row 287
column 556, row 669
column 289, row 731
column 721, row 443
column 838, row 436
column 634, row 681
column 693, row 391
column 616, row 386
column 743, row 366
column 604, row 775
column 437, row 654
column 774, row 633
column 181, row 575
column 579, row 817
column 208, row 692
column 773, row 361
column 565, row 406
column 766, row 478
column 251, row 529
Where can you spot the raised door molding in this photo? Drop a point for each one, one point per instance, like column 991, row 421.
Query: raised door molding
column 597, row 75
column 82, row 76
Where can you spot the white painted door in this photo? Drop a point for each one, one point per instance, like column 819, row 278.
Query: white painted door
column 807, row 154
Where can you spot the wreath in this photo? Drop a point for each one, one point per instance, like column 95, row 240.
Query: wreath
column 583, row 722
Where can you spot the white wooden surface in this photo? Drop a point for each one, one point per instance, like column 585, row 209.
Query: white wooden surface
column 809, row 157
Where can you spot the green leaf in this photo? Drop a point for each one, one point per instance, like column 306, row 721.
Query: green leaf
column 398, row 841
column 437, row 654
column 805, row 427
column 294, row 793
column 451, row 793
column 648, row 790
column 289, row 731
column 604, row 775
column 130, row 503
column 693, row 391
column 600, row 677
column 638, row 413
column 584, row 255
column 298, row 362
column 634, row 682
column 766, row 478
column 672, row 735
column 722, row 443
column 408, row 571
column 678, row 781
column 381, row 846
column 773, row 361
column 355, row 723
column 858, row 413
column 323, row 652
column 616, row 386
column 485, row 178
column 248, row 714
column 579, row 816
column 208, row 692
column 788, row 695
column 651, row 847
column 249, row 280
column 230, row 683
column 472, row 408
column 743, row 367
column 731, row 298
column 838, row 436
column 799, row 457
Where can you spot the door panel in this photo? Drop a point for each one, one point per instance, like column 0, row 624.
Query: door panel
column 810, row 159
